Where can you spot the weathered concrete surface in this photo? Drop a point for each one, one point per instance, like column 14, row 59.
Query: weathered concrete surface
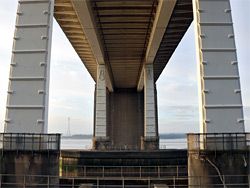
column 139, row 165
column 20, row 163
column 124, row 158
column 100, row 143
column 126, row 118
column 228, row 163
column 149, row 143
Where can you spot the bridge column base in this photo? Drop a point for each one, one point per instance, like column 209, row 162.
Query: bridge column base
column 100, row 143
column 149, row 143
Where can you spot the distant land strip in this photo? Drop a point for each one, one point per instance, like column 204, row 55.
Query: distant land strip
column 162, row 136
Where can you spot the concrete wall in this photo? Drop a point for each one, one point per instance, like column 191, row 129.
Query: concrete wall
column 228, row 163
column 91, row 163
column 126, row 117
column 20, row 163
column 121, row 158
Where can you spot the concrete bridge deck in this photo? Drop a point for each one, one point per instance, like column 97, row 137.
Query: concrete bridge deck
column 130, row 34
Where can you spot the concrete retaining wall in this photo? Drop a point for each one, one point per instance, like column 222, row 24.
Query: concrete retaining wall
column 32, row 165
column 228, row 163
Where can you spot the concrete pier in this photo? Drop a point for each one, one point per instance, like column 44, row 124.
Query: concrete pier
column 125, row 113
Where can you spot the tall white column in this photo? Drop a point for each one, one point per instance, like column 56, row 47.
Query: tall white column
column 28, row 92
column 217, row 65
column 101, row 122
column 149, row 102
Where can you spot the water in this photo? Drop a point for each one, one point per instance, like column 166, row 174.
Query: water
column 76, row 143
column 87, row 143
column 180, row 143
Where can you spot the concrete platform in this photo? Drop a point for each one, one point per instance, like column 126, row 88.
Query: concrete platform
column 124, row 158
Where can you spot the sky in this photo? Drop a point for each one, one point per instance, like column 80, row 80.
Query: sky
column 72, row 88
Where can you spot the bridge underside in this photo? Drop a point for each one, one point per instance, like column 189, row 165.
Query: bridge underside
column 123, row 30
column 128, row 43
column 125, row 46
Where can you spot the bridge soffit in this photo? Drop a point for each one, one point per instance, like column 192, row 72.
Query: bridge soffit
column 163, row 15
column 85, row 40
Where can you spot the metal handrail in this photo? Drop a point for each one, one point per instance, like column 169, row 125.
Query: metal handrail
column 29, row 142
column 124, row 171
column 218, row 141
column 75, row 181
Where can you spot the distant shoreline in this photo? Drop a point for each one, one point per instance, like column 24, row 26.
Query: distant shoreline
column 162, row 136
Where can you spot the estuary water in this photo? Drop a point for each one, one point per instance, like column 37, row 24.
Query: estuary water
column 86, row 143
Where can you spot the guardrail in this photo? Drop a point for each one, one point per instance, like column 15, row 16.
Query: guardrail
column 123, row 171
column 218, row 141
column 29, row 142
column 46, row 181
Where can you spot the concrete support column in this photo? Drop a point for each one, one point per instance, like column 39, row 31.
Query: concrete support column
column 150, row 139
column 28, row 92
column 100, row 140
column 217, row 65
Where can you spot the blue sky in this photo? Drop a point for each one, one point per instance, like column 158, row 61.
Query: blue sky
column 72, row 88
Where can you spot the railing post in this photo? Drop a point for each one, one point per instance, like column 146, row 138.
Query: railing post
column 231, row 142
column 48, row 182
column 123, row 183
column 140, row 171
column 236, row 137
column 24, row 181
column 73, row 183
column 1, row 181
column 249, row 181
column 3, row 142
column 159, row 172
column 223, row 142
column 23, row 141
column 199, row 181
column 215, row 144
column 39, row 148
column 10, row 141
column 121, row 171
column 174, row 182
column 58, row 141
column 245, row 141
column 103, row 171
column 97, row 183
column 66, row 170
column 177, row 171
column 148, row 182
column 32, row 146
column 85, row 171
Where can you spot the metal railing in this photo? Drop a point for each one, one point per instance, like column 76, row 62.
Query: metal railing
column 123, row 171
column 29, row 142
column 46, row 181
column 218, row 141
